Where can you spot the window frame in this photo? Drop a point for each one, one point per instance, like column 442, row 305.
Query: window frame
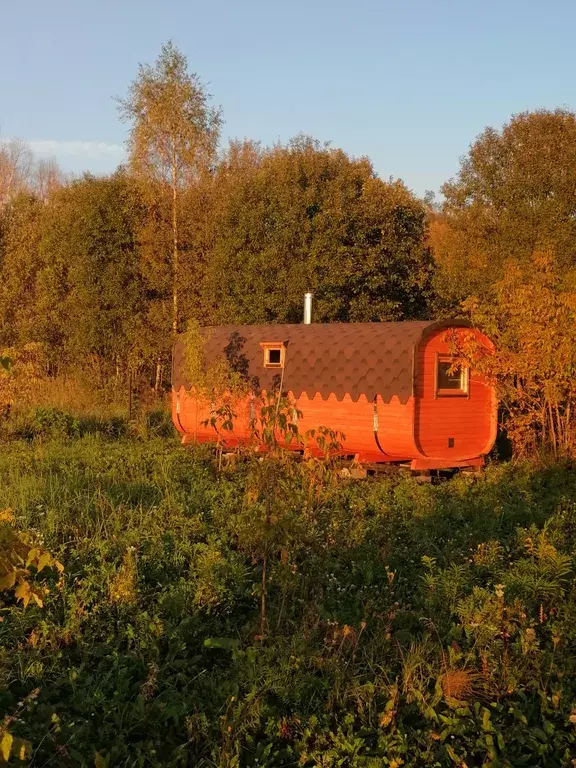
column 267, row 346
column 464, row 390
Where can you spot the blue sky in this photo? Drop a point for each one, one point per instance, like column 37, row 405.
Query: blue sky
column 409, row 83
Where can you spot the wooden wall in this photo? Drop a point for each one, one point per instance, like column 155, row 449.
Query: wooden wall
column 469, row 420
column 418, row 430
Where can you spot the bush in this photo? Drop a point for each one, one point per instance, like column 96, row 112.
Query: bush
column 53, row 423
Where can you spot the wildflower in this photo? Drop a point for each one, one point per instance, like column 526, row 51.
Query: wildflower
column 499, row 590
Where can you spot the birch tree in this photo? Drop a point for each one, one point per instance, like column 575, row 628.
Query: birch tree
column 173, row 136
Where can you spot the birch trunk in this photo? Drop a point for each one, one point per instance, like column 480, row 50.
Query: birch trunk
column 175, row 253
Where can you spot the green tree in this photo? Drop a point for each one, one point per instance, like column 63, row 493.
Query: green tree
column 21, row 227
column 71, row 275
column 91, row 231
column 305, row 216
column 513, row 196
column 173, row 136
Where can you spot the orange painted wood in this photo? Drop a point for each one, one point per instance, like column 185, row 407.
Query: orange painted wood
column 469, row 420
column 417, row 431
column 395, row 429
column 354, row 420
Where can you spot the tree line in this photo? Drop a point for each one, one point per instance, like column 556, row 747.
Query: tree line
column 100, row 273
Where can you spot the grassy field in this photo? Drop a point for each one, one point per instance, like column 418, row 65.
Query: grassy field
column 274, row 614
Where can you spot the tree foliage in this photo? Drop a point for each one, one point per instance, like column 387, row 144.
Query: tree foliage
column 91, row 231
column 20, row 265
column 71, row 273
column 100, row 272
column 513, row 196
column 305, row 216
column 531, row 318
column 174, row 133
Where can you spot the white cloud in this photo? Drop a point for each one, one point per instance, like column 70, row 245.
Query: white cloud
column 88, row 150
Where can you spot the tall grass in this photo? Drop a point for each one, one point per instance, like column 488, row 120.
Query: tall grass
column 405, row 624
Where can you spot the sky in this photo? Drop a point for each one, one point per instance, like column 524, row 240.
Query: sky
column 409, row 83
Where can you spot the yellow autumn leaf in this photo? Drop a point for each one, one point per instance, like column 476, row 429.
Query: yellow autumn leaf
column 43, row 561
column 23, row 592
column 24, row 749
column 33, row 554
column 6, row 746
column 37, row 599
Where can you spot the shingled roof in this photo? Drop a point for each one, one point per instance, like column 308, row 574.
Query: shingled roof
column 327, row 358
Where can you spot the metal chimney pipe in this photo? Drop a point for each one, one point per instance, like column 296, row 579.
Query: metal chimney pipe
column 308, row 307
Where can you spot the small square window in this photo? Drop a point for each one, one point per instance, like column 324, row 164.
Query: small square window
column 273, row 354
column 451, row 378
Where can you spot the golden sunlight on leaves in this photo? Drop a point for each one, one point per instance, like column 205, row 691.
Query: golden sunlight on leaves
column 17, row 555
column 6, row 746
column 123, row 588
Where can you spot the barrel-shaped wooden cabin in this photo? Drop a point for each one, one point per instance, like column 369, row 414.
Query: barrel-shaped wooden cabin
column 391, row 388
